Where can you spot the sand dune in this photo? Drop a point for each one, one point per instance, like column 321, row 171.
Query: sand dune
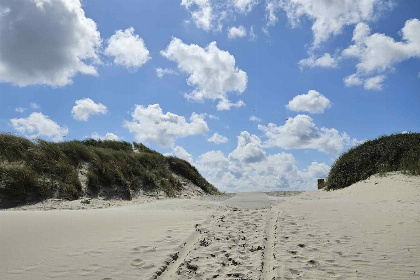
column 367, row 231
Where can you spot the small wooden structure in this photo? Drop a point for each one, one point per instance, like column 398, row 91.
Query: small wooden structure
column 321, row 184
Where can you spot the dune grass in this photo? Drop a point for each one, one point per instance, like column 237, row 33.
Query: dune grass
column 34, row 171
column 397, row 152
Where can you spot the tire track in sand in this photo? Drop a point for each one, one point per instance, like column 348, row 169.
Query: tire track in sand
column 172, row 263
column 236, row 243
column 269, row 256
column 229, row 247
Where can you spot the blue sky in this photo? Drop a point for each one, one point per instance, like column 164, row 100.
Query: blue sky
column 71, row 70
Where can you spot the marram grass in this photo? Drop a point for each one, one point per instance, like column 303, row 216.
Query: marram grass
column 32, row 171
column 397, row 152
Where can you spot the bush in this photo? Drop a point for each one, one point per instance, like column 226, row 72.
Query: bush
column 398, row 152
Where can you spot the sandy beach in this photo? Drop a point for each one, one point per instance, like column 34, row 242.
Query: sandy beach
column 367, row 231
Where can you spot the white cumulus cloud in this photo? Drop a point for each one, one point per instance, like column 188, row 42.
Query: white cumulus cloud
column 181, row 153
column 378, row 53
column 212, row 71
column 128, row 49
column 352, row 80
column 225, row 104
column 201, row 12
column 39, row 125
column 245, row 6
column 108, row 136
column 374, row 83
column 160, row 72
column 312, row 102
column 300, row 132
column 46, row 42
column 216, row 138
column 324, row 61
column 328, row 17
column 237, row 32
column 254, row 171
column 86, row 107
column 20, row 109
column 35, row 106
column 150, row 123
column 249, row 149
column 254, row 119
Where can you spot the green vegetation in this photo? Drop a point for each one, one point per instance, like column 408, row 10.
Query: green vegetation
column 34, row 171
column 398, row 152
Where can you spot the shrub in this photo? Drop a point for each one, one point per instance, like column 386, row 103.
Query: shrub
column 398, row 152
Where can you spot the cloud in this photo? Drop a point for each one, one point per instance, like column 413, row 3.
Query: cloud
column 264, row 173
column 249, row 149
column 301, row 133
column 149, row 123
column 236, row 32
column 35, row 106
column 254, row 119
column 271, row 10
column 378, row 53
column 128, row 49
column 252, row 35
column 328, row 17
column 312, row 102
column 216, row 138
column 225, row 104
column 46, row 42
column 374, row 83
column 108, row 136
column 181, row 153
column 210, row 14
column 20, row 110
column 201, row 12
column 212, row 71
column 213, row 117
column 162, row 72
column 352, row 80
column 325, row 61
column 39, row 125
column 86, row 107
column 245, row 6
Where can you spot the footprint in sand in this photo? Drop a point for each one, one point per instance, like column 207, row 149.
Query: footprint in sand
column 137, row 263
column 143, row 249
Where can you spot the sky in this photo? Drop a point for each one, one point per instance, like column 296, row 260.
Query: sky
column 257, row 94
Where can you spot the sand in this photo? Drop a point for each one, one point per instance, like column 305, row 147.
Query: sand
column 370, row 230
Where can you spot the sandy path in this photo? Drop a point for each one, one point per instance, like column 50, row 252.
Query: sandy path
column 231, row 245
